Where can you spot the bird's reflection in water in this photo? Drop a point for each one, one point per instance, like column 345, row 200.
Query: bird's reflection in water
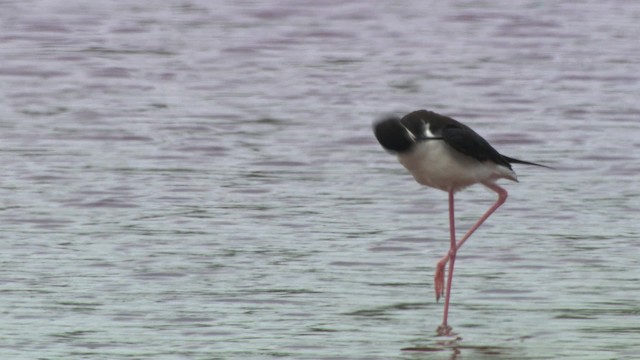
column 449, row 340
column 456, row 352
column 445, row 340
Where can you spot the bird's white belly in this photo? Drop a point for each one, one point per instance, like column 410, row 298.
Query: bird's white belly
column 434, row 163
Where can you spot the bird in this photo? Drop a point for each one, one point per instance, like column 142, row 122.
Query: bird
column 443, row 153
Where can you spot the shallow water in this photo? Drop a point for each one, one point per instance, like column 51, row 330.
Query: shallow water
column 199, row 180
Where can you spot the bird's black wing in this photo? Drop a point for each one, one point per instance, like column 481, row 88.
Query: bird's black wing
column 468, row 142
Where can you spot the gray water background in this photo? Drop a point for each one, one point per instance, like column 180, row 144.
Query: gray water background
column 198, row 179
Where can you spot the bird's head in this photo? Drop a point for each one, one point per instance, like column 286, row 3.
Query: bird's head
column 393, row 135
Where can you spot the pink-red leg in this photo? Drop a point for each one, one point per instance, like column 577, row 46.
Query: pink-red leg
column 444, row 328
column 451, row 255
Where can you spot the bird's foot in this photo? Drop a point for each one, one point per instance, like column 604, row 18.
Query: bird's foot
column 445, row 330
column 438, row 279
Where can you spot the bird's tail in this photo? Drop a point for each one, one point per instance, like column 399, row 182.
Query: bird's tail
column 517, row 161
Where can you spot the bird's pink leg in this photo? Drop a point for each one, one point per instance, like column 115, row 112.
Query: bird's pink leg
column 451, row 255
column 452, row 259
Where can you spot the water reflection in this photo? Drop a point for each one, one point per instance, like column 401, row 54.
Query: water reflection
column 453, row 347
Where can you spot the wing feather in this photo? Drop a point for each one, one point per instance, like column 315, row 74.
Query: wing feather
column 469, row 143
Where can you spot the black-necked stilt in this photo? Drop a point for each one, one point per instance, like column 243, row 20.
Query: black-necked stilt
column 445, row 154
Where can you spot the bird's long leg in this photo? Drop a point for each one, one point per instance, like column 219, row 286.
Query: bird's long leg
column 452, row 259
column 450, row 256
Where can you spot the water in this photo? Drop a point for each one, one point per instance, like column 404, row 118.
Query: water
column 199, row 180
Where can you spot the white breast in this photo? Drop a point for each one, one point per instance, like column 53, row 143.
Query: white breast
column 434, row 163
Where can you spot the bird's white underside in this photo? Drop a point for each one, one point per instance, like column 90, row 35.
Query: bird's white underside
column 434, row 163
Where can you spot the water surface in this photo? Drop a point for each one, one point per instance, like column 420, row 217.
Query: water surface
column 198, row 180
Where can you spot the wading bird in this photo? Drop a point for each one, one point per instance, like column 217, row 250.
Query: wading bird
column 445, row 154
